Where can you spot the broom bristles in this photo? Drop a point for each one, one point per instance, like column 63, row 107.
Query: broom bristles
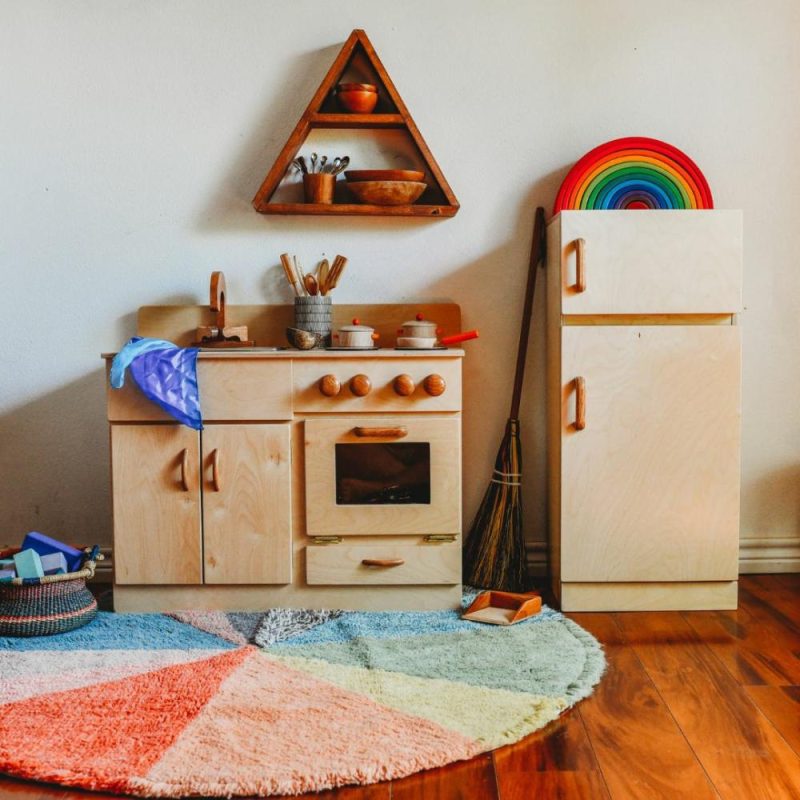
column 494, row 553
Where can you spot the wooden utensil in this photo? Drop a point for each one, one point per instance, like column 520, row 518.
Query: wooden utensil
column 310, row 282
column 322, row 276
column 291, row 275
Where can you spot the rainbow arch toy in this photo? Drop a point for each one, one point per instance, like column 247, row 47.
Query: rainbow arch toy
column 634, row 173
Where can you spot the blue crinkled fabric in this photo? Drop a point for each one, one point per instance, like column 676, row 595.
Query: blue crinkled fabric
column 166, row 374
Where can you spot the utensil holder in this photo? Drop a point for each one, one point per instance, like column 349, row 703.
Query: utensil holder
column 314, row 314
column 318, row 187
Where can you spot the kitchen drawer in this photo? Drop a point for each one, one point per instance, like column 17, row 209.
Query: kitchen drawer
column 421, row 563
column 381, row 373
column 648, row 262
column 230, row 389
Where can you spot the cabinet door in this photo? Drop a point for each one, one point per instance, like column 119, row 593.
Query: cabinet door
column 650, row 485
column 247, row 509
column 156, row 495
column 650, row 262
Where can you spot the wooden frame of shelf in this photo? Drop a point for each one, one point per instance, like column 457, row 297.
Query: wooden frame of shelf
column 317, row 115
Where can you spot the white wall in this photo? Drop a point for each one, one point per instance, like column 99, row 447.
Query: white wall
column 133, row 136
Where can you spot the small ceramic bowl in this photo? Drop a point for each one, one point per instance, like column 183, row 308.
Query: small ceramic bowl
column 356, row 100
column 303, row 340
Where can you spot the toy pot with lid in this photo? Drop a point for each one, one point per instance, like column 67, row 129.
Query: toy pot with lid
column 418, row 332
column 357, row 336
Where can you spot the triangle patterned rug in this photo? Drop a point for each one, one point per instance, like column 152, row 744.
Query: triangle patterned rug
column 282, row 702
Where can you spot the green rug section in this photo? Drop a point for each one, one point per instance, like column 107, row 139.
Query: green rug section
column 554, row 658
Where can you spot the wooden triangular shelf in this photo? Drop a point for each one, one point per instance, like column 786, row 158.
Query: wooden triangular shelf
column 358, row 57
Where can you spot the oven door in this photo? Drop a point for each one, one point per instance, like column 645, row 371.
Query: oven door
column 383, row 475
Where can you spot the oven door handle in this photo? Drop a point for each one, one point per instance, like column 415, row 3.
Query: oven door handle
column 397, row 432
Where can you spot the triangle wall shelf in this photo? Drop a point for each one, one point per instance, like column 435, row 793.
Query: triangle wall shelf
column 358, row 62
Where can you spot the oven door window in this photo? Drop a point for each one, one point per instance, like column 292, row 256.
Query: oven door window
column 383, row 474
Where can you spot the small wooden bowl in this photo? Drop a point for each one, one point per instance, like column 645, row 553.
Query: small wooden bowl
column 383, row 175
column 303, row 340
column 357, row 101
column 387, row 193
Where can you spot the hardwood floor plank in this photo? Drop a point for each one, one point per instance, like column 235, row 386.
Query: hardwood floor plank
column 755, row 651
column 791, row 580
column 743, row 754
column 375, row 791
column 464, row 780
column 781, row 706
column 640, row 749
column 764, row 595
column 554, row 763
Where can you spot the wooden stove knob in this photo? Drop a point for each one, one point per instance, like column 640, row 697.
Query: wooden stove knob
column 329, row 385
column 360, row 385
column 404, row 385
column 434, row 385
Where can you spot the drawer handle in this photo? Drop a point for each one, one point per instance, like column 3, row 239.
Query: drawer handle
column 184, row 470
column 215, row 471
column 397, row 432
column 580, row 404
column 383, row 562
column 580, row 265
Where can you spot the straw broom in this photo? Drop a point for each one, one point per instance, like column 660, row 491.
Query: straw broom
column 494, row 553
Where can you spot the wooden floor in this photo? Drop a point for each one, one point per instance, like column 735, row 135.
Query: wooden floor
column 702, row 704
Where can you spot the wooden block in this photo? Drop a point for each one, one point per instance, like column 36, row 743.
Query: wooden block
column 44, row 544
column 28, row 564
column 54, row 564
column 7, row 574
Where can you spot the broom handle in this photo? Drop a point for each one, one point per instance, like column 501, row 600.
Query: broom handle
column 537, row 255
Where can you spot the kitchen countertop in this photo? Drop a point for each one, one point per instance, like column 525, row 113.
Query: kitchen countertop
column 267, row 352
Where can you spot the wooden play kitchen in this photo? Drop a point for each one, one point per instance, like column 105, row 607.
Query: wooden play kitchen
column 322, row 478
column 644, row 406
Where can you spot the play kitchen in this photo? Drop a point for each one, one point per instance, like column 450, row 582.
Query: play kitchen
column 320, row 478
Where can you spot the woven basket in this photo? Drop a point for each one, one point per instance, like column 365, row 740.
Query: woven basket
column 52, row 604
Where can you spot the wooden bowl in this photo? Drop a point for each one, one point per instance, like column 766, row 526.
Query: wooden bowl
column 383, row 175
column 356, row 87
column 303, row 340
column 357, row 101
column 387, row 193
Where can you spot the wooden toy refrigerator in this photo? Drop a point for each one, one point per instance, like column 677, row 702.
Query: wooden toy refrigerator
column 644, row 406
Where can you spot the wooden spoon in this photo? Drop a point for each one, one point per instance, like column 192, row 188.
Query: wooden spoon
column 322, row 277
column 310, row 282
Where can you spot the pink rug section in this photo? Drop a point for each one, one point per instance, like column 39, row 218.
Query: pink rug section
column 287, row 732
column 215, row 622
column 98, row 738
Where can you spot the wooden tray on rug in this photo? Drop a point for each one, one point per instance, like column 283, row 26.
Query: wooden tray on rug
column 503, row 608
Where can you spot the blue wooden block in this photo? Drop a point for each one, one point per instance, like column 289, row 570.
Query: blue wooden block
column 28, row 564
column 54, row 564
column 44, row 544
column 7, row 574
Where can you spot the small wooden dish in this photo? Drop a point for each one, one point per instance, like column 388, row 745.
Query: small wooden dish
column 387, row 193
column 503, row 608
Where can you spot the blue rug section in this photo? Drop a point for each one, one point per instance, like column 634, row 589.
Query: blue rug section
column 395, row 625
column 109, row 631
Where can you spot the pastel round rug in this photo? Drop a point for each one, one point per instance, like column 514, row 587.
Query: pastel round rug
column 282, row 702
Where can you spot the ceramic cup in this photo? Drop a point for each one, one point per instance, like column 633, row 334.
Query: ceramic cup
column 314, row 314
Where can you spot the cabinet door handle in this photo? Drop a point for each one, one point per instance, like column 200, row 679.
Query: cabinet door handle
column 216, row 479
column 383, row 562
column 185, row 469
column 397, row 432
column 580, row 403
column 580, row 265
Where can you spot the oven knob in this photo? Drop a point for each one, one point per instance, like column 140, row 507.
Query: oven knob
column 360, row 385
column 329, row 385
column 404, row 385
column 434, row 385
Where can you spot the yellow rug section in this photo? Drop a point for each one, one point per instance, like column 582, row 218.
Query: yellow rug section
column 493, row 717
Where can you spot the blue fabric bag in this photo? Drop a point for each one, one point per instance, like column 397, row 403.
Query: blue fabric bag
column 166, row 374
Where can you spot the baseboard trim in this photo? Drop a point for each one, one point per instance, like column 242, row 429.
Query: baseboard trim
column 766, row 554
column 769, row 554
